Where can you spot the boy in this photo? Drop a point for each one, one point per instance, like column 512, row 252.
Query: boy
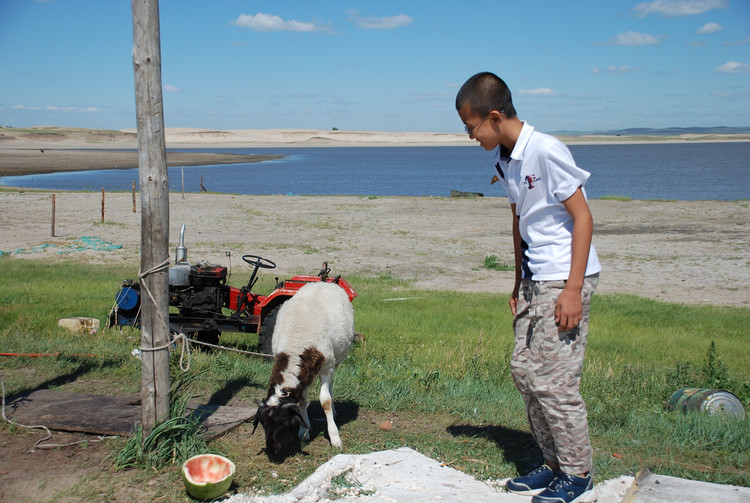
column 556, row 273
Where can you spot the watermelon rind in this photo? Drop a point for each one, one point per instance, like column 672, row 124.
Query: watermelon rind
column 207, row 476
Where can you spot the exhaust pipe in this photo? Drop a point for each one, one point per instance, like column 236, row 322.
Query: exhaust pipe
column 181, row 252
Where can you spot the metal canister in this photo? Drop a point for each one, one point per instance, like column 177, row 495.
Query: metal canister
column 712, row 401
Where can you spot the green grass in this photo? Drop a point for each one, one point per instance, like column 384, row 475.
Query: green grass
column 435, row 363
column 492, row 262
column 622, row 199
column 173, row 440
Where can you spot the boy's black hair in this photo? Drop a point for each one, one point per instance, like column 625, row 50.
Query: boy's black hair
column 485, row 92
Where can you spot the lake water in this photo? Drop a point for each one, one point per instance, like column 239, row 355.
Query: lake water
column 681, row 171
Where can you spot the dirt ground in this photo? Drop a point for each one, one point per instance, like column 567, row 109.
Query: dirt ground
column 686, row 252
column 41, row 475
column 692, row 252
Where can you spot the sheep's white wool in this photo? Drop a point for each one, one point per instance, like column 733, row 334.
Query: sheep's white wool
column 320, row 316
column 314, row 331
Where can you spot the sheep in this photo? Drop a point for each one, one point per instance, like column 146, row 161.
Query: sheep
column 312, row 336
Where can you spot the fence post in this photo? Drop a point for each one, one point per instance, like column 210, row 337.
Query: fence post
column 52, row 230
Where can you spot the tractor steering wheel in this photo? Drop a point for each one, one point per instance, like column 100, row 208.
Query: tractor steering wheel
column 257, row 261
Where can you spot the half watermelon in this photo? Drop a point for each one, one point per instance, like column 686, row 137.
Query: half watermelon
column 207, row 476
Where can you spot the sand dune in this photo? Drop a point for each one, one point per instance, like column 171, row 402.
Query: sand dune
column 47, row 137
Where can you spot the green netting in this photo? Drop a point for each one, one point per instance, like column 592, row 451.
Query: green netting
column 80, row 244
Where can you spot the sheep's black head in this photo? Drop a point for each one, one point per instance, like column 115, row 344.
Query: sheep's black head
column 277, row 421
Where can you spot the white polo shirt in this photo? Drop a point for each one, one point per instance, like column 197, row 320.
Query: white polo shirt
column 538, row 175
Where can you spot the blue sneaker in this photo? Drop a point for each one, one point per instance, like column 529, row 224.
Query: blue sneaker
column 534, row 482
column 566, row 488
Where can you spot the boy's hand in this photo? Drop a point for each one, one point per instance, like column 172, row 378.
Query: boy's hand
column 513, row 303
column 568, row 310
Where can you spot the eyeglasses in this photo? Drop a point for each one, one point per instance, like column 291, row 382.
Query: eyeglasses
column 470, row 130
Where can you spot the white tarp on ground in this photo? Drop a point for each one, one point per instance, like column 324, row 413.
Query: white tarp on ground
column 405, row 476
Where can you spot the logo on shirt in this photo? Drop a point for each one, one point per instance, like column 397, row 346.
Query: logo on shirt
column 530, row 180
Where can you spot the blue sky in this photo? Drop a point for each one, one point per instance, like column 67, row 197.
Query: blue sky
column 380, row 66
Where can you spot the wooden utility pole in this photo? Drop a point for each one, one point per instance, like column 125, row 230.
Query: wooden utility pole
column 152, row 168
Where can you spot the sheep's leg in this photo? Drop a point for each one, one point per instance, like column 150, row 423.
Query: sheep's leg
column 326, row 402
column 330, row 392
column 304, row 433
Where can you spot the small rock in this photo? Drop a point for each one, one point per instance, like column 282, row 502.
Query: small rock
column 79, row 324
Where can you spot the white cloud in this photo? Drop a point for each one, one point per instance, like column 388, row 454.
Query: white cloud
column 23, row 107
column 743, row 41
column 53, row 108
column 169, row 88
column 635, row 39
column 540, row 91
column 730, row 94
column 678, row 8
column 379, row 23
column 614, row 70
column 423, row 96
column 270, row 22
column 733, row 67
column 709, row 28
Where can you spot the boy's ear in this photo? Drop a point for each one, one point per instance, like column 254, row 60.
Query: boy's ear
column 497, row 116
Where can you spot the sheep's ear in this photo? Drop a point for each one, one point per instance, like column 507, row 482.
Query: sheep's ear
column 260, row 414
column 296, row 412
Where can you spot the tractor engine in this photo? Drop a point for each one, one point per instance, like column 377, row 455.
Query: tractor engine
column 198, row 290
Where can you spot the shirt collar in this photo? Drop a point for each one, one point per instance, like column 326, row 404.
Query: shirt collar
column 522, row 141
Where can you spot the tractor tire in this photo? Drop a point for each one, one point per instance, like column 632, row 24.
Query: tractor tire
column 265, row 334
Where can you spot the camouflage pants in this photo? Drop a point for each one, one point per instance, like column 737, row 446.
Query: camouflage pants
column 546, row 368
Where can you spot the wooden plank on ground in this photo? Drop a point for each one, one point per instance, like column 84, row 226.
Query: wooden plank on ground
column 108, row 415
column 220, row 419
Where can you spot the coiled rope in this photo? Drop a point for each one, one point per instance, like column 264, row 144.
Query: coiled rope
column 185, row 348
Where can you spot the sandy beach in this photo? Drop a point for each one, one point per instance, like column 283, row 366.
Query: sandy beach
column 692, row 252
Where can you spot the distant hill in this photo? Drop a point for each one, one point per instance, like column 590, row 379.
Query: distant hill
column 671, row 131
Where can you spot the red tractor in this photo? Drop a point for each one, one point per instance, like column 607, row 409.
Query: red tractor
column 206, row 306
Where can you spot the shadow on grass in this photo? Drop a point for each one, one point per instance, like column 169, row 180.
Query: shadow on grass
column 224, row 395
column 84, row 364
column 518, row 447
